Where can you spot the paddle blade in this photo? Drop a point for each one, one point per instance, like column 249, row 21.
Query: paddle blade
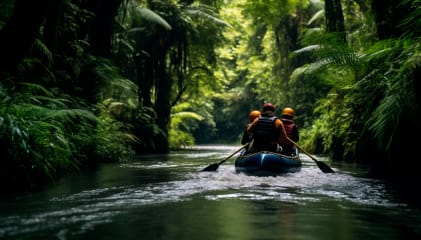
column 324, row 167
column 211, row 168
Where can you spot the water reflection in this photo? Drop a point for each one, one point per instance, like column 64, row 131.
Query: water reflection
column 168, row 197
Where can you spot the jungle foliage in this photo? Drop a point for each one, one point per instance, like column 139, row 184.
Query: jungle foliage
column 85, row 82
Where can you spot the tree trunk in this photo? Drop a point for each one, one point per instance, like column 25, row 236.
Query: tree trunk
column 101, row 32
column 335, row 22
column 388, row 14
column 163, row 110
column 20, row 32
column 53, row 23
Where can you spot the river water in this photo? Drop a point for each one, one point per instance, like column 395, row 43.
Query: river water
column 168, row 197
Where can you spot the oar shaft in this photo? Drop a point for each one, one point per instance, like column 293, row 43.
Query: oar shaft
column 214, row 166
column 302, row 150
column 322, row 166
column 232, row 154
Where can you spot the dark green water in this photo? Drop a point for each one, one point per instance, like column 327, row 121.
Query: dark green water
column 168, row 197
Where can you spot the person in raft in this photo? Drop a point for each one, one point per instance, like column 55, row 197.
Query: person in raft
column 288, row 148
column 247, row 137
column 267, row 131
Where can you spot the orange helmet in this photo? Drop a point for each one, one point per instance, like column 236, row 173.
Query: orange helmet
column 288, row 111
column 254, row 114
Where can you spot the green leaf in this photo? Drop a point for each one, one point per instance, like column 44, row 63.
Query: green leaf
column 151, row 16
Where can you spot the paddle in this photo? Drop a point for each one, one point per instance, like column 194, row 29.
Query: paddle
column 214, row 166
column 323, row 166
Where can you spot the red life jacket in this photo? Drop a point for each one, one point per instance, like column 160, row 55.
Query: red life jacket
column 289, row 128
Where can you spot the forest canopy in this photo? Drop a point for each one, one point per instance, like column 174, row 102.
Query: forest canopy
column 86, row 82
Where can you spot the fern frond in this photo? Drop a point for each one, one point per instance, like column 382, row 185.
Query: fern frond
column 43, row 49
column 153, row 17
column 72, row 114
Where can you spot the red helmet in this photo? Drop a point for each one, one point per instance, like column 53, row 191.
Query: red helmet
column 254, row 114
column 268, row 106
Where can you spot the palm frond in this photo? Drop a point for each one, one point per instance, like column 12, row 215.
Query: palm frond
column 318, row 15
column 71, row 115
column 36, row 89
column 43, row 49
column 412, row 24
column 153, row 17
column 206, row 12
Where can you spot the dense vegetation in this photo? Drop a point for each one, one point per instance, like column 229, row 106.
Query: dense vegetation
column 84, row 82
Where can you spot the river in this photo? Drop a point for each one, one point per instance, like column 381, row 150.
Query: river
column 168, row 197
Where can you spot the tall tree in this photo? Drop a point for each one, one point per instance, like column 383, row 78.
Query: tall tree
column 20, row 32
column 53, row 22
column 102, row 28
column 157, row 36
column 388, row 15
column 335, row 22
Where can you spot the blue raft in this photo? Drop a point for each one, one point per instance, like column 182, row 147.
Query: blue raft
column 266, row 163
